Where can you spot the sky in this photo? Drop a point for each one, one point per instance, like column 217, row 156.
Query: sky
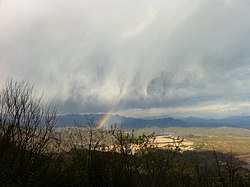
column 132, row 57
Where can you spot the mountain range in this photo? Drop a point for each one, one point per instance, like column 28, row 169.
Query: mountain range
column 129, row 122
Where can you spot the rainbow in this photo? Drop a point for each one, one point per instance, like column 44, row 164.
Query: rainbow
column 104, row 119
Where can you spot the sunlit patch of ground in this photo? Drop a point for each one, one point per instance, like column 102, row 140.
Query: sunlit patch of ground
column 164, row 141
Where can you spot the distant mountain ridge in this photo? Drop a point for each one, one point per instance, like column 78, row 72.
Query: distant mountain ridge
column 231, row 121
column 129, row 122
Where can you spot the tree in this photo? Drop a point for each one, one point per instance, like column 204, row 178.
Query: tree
column 26, row 132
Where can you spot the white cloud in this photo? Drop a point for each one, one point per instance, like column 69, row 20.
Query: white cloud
column 90, row 55
column 207, row 110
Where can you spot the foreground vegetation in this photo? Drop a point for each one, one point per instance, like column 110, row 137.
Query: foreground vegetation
column 34, row 153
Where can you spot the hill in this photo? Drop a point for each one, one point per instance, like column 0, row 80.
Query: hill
column 129, row 122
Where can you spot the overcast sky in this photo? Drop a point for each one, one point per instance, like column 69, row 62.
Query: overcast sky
column 140, row 57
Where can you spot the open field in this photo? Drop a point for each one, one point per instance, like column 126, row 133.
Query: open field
column 223, row 139
column 163, row 141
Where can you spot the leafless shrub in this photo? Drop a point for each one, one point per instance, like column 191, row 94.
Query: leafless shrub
column 24, row 120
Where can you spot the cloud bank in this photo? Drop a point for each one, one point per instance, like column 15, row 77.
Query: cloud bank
column 136, row 56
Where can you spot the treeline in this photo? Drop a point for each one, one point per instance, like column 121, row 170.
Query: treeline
column 33, row 153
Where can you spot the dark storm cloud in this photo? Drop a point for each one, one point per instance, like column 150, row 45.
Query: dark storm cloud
column 93, row 55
